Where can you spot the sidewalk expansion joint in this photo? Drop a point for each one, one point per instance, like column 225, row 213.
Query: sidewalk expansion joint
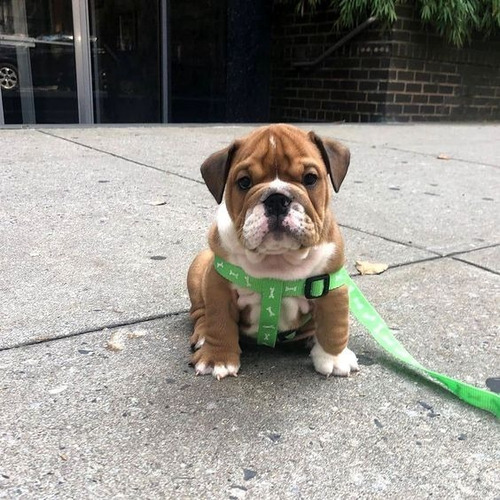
column 420, row 153
column 456, row 256
column 391, row 240
column 417, row 261
column 471, row 250
column 436, row 255
column 478, row 266
column 109, row 326
column 433, row 155
column 452, row 256
column 120, row 157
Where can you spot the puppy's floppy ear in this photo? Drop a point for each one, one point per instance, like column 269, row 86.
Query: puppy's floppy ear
column 335, row 156
column 215, row 169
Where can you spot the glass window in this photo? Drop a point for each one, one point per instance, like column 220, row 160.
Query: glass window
column 198, row 36
column 125, row 52
column 37, row 61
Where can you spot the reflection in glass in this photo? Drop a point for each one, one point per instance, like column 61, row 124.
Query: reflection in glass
column 37, row 61
column 125, row 40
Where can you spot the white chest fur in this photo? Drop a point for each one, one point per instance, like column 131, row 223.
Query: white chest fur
column 292, row 309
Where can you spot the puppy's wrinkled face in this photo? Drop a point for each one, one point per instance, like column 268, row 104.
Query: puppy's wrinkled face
column 276, row 192
column 277, row 189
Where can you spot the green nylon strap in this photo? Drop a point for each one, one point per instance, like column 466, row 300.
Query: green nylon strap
column 272, row 292
column 368, row 317
column 364, row 313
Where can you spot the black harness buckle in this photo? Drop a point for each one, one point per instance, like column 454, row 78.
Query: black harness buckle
column 325, row 278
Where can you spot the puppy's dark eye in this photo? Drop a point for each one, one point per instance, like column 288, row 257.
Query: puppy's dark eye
column 244, row 183
column 310, row 180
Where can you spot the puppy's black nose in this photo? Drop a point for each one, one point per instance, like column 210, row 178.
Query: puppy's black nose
column 277, row 204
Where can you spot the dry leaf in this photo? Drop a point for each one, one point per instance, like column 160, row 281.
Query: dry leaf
column 365, row 267
column 115, row 342
column 442, row 156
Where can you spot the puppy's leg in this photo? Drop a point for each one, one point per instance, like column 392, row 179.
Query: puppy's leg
column 215, row 314
column 195, row 279
column 330, row 354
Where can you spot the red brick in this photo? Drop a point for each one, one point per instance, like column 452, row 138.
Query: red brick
column 414, row 87
column 395, row 86
column 426, row 109
column 406, row 75
column 410, row 109
column 422, row 77
column 402, row 98
column 419, row 99
column 430, row 89
column 446, row 89
column 368, row 85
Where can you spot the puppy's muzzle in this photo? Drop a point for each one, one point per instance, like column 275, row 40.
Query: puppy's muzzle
column 277, row 205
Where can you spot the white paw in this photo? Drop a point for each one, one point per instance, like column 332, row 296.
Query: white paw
column 327, row 364
column 219, row 371
column 199, row 343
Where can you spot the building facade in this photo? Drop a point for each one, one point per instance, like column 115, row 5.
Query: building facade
column 215, row 61
column 405, row 73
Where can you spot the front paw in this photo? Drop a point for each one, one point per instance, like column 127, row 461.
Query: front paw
column 196, row 340
column 207, row 360
column 340, row 365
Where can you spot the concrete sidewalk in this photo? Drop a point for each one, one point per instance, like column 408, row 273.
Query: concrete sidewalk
column 97, row 229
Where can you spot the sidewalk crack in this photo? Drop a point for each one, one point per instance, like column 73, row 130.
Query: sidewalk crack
column 392, row 240
column 120, row 157
column 420, row 153
column 108, row 326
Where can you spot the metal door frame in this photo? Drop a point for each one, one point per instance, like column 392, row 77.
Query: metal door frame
column 164, row 61
column 84, row 80
column 22, row 43
column 81, row 40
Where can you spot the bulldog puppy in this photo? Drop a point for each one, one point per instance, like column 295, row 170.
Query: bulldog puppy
column 274, row 221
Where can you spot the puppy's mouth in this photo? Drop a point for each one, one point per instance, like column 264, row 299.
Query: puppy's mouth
column 276, row 226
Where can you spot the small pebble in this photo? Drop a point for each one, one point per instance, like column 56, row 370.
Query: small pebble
column 493, row 384
column 425, row 405
column 84, row 351
column 274, row 437
column 238, row 487
column 58, row 390
column 248, row 474
column 135, row 334
column 115, row 342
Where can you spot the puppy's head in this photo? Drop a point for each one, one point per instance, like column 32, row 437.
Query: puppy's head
column 277, row 186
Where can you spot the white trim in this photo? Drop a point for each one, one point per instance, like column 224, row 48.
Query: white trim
column 2, row 117
column 24, row 64
column 82, row 61
column 164, row 61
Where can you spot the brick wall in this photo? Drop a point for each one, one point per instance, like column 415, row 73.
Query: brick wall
column 405, row 74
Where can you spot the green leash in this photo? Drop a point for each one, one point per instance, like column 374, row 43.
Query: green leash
column 272, row 292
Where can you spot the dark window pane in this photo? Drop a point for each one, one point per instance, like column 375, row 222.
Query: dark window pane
column 125, row 43
column 198, row 34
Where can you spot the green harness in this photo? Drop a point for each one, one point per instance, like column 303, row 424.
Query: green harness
column 273, row 290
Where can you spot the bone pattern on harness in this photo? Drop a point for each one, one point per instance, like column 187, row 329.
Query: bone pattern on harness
column 272, row 292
